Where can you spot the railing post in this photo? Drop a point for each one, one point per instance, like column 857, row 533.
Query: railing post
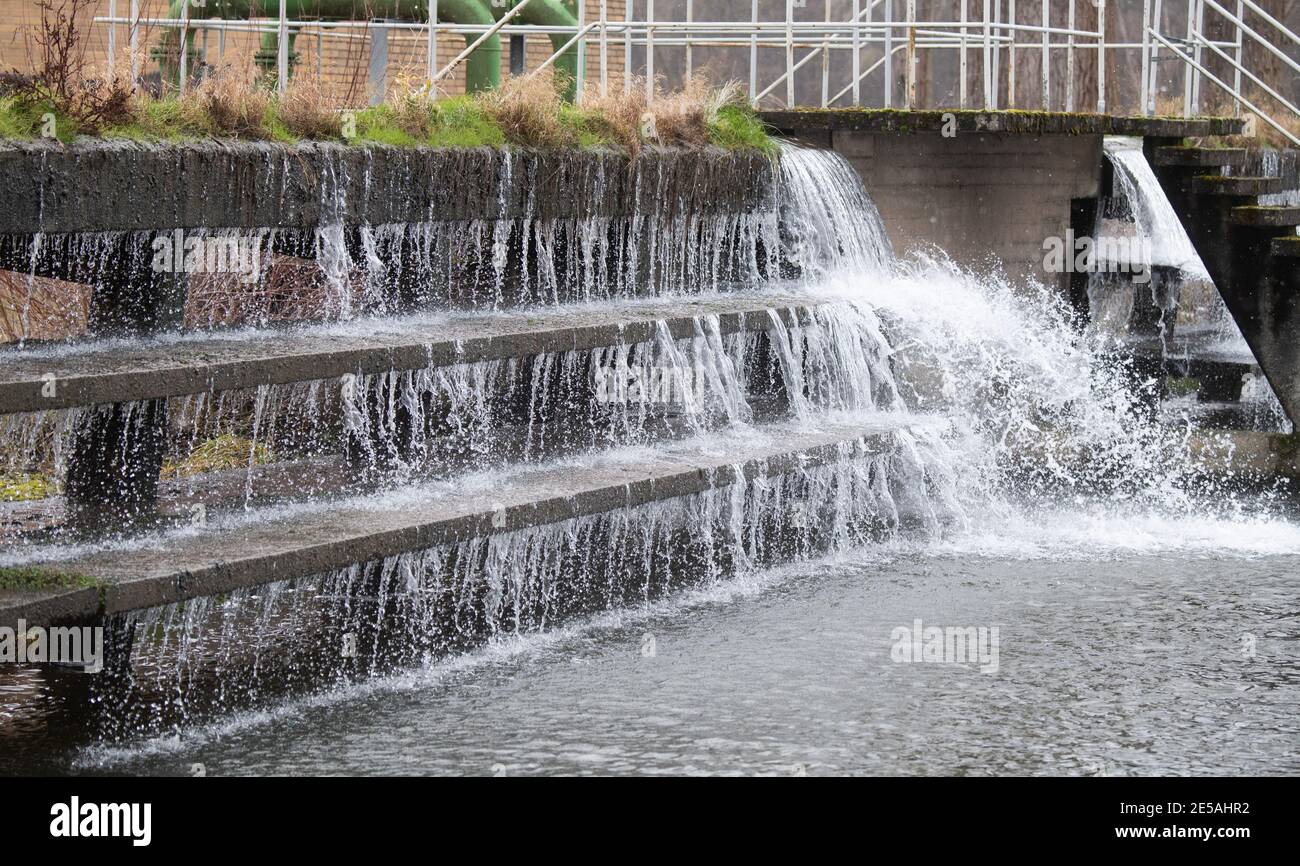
column 961, row 74
column 789, row 53
column 826, row 65
column 1157, row 16
column 627, row 45
column 997, row 55
column 649, row 51
column 432, row 57
column 857, row 49
column 690, row 58
column 1069, row 61
column 889, row 53
column 1236, row 71
column 911, row 54
column 112, row 36
column 135, row 40
column 604, row 48
column 1187, row 68
column 1101, row 57
column 1047, row 56
column 1196, row 72
column 753, row 52
column 1146, row 55
column 182, row 53
column 988, row 53
column 580, row 67
column 282, row 49
column 1012, row 77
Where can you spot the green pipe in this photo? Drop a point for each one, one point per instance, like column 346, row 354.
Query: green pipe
column 550, row 13
column 482, row 67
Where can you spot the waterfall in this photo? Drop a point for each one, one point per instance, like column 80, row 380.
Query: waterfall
column 992, row 410
column 1139, row 197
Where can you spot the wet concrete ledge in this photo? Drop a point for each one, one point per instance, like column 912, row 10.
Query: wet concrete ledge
column 801, row 122
column 192, row 564
column 121, row 372
column 96, row 186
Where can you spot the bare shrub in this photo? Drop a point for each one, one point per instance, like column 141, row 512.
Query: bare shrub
column 61, row 79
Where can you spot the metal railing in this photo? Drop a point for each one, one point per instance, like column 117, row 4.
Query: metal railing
column 875, row 36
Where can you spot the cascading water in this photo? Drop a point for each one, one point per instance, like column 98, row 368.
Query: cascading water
column 1179, row 284
column 996, row 416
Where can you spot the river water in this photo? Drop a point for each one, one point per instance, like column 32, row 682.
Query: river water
column 1125, row 646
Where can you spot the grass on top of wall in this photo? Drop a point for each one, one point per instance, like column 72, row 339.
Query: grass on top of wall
column 523, row 112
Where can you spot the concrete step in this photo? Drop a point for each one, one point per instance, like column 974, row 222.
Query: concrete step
column 1266, row 216
column 299, row 541
column 1200, row 156
column 64, row 377
column 1234, row 186
column 1287, row 247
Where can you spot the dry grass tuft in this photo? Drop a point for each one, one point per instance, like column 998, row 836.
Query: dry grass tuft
column 305, row 110
column 684, row 118
column 233, row 101
column 619, row 114
column 529, row 111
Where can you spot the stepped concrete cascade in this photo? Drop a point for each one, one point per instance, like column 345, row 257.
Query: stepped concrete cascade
column 394, row 387
column 388, row 230
column 490, row 391
column 1236, row 238
column 171, row 367
column 163, row 569
column 447, row 460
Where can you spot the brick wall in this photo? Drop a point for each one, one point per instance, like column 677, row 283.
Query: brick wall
column 340, row 58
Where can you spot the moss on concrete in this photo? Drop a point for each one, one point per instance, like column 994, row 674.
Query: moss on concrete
column 44, row 578
column 1014, row 121
column 26, row 487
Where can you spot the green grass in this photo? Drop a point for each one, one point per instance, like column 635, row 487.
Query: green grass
column 24, row 121
column 461, row 122
column 737, row 128
column 223, row 452
column 162, row 120
column 455, row 122
column 37, row 578
column 381, row 125
column 587, row 128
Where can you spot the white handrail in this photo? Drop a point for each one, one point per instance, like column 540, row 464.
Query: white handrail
column 1262, row 116
column 802, row 41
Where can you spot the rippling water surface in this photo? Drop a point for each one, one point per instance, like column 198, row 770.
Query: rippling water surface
column 1140, row 662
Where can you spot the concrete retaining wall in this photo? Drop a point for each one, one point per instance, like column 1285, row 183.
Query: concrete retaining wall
column 982, row 198
column 123, row 186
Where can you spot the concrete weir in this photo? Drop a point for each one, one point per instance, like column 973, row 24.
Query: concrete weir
column 382, row 230
column 156, row 571
column 39, row 381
